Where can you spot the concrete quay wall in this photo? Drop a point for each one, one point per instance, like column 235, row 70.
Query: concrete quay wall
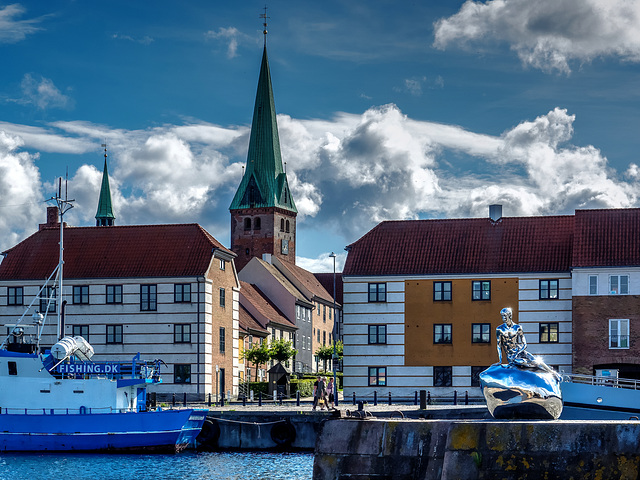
column 476, row 449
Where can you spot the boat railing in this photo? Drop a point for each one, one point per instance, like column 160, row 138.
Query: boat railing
column 627, row 383
column 71, row 411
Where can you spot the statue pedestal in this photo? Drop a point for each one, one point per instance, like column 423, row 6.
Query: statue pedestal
column 515, row 392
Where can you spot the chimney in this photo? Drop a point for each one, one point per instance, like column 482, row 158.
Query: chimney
column 266, row 257
column 495, row 212
column 52, row 218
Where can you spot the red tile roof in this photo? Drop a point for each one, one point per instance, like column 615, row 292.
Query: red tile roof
column 326, row 279
column 607, row 238
column 307, row 279
column 458, row 246
column 248, row 323
column 269, row 312
column 116, row 252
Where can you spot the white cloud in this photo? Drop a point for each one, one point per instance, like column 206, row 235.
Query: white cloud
column 42, row 93
column 21, row 199
column 145, row 40
column 12, row 30
column 346, row 173
column 231, row 35
column 323, row 263
column 548, row 34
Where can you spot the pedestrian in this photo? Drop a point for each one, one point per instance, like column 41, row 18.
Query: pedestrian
column 318, row 393
column 330, row 390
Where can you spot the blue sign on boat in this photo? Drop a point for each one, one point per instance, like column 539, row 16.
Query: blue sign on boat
column 85, row 368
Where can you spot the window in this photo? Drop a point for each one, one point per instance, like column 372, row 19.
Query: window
column 114, row 333
column 182, row 333
column 475, row 375
column 222, row 340
column 182, row 373
column 13, row 368
column 593, row 284
column 81, row 331
column 148, row 297
column 324, row 313
column 442, row 333
column 324, row 338
column 318, row 335
column 377, row 334
column 256, row 224
column 619, row 333
column 15, row 295
column 619, row 284
column 481, row 290
column 282, row 224
column 377, row 376
column 114, row 293
column 223, row 264
column 481, row 333
column 549, row 332
column 81, row 294
column 182, row 293
column 549, row 289
column 247, row 224
column 377, row 292
column 441, row 291
column 442, row 376
column 222, row 297
column 287, row 227
column 46, row 294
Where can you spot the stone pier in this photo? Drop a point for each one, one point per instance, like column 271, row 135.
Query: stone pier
column 363, row 449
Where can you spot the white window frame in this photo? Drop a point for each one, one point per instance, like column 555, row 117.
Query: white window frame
column 593, row 288
column 618, row 285
column 621, row 327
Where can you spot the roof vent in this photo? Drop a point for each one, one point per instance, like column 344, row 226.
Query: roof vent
column 495, row 212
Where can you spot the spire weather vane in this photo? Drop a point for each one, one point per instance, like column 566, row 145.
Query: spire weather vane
column 264, row 24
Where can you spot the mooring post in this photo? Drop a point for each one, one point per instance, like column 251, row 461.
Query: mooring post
column 415, row 398
column 259, row 399
column 244, row 400
column 429, row 398
column 297, row 398
column 173, row 400
column 209, row 400
column 389, row 398
column 375, row 397
column 423, row 399
column 184, row 400
column 466, row 397
column 354, row 398
column 455, row 397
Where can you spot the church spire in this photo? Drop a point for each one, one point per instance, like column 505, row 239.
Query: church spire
column 104, row 215
column 264, row 183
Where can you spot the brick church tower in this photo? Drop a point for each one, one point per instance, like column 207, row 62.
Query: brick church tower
column 263, row 214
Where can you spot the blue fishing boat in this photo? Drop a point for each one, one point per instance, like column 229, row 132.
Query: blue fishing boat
column 58, row 399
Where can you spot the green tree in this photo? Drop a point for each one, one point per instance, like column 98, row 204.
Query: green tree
column 282, row 350
column 258, row 354
column 325, row 352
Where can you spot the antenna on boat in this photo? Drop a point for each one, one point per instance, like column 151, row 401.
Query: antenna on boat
column 63, row 206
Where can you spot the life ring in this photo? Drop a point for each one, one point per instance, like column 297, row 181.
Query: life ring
column 82, row 410
column 209, row 435
column 283, row 434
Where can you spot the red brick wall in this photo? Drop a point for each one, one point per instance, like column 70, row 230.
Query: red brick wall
column 268, row 239
column 591, row 316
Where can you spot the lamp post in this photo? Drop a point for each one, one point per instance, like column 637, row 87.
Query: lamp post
column 335, row 355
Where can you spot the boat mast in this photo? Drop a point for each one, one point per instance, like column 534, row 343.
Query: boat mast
column 63, row 205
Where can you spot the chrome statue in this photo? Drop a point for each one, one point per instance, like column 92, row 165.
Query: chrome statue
column 525, row 387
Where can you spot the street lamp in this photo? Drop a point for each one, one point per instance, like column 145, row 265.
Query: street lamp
column 335, row 355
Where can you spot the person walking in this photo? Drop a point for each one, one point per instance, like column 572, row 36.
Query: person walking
column 319, row 393
column 330, row 393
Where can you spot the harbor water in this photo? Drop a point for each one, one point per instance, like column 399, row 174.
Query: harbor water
column 188, row 466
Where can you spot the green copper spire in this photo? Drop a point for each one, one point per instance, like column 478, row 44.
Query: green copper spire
column 105, row 216
column 264, row 183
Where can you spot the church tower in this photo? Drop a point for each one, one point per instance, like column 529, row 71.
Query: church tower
column 104, row 215
column 263, row 214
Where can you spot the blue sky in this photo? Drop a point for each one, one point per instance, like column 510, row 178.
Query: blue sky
column 387, row 110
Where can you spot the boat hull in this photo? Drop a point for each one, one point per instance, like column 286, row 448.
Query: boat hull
column 167, row 430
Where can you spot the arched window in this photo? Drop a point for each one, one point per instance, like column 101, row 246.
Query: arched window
column 247, row 224
column 282, row 224
column 287, row 228
column 256, row 224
